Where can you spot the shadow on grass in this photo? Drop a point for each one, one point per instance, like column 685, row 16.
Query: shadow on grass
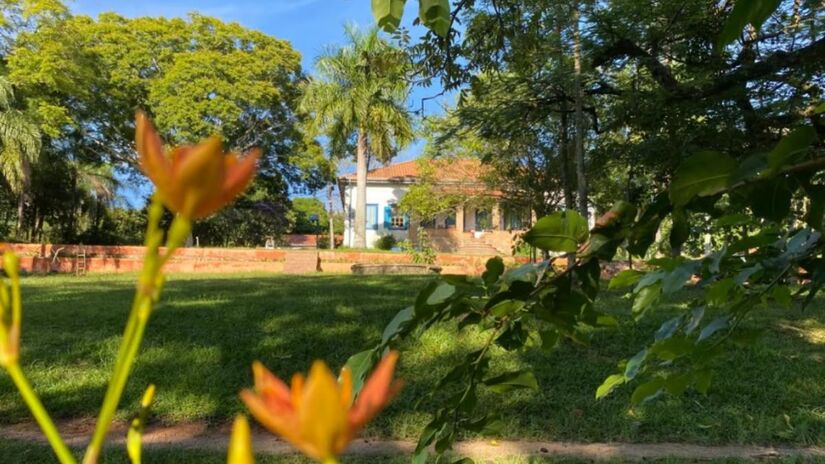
column 207, row 331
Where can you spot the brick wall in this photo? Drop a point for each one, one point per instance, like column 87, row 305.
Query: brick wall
column 37, row 258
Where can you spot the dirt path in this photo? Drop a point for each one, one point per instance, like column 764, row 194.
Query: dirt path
column 199, row 436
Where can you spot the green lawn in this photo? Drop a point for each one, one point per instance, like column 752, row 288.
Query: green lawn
column 208, row 329
column 13, row 452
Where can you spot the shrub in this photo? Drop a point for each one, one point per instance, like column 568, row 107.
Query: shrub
column 386, row 242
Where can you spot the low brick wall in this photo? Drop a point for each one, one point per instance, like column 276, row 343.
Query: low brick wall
column 37, row 258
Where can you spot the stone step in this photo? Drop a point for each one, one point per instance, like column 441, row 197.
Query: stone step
column 300, row 262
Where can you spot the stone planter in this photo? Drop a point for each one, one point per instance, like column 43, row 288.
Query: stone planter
column 395, row 269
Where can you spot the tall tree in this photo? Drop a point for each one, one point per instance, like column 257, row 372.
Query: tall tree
column 359, row 92
column 81, row 79
column 20, row 142
column 581, row 177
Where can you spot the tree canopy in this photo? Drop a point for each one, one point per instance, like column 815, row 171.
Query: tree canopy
column 80, row 80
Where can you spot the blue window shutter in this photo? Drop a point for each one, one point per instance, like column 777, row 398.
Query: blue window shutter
column 388, row 217
column 406, row 221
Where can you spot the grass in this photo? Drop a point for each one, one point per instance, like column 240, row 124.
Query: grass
column 208, row 329
column 14, row 452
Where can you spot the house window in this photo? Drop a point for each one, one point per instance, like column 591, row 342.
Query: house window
column 372, row 217
column 394, row 219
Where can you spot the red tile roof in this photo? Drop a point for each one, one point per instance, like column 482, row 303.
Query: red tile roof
column 447, row 170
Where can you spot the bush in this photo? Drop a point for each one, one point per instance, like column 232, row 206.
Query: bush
column 386, row 242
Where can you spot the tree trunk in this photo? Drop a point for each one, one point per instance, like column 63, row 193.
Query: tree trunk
column 21, row 201
column 577, row 83
column 361, row 192
column 564, row 124
column 331, row 219
column 564, row 154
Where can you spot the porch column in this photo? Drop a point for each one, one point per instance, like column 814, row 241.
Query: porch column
column 459, row 218
column 496, row 216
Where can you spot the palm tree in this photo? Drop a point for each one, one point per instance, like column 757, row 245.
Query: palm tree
column 359, row 92
column 20, row 145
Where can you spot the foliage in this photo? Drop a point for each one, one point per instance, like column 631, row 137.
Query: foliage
column 426, row 199
column 80, row 80
column 386, row 242
column 357, row 98
column 302, row 211
column 730, row 163
column 421, row 252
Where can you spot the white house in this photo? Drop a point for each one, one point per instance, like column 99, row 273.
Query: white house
column 468, row 229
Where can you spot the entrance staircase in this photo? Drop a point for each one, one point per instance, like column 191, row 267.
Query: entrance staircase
column 470, row 245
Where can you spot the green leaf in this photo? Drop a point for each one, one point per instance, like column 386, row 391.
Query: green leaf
column 820, row 109
column 676, row 279
column 680, row 230
column 738, row 219
column 696, row 316
column 486, row 425
column 815, row 214
column 359, row 366
column 715, row 326
column 563, row 231
column 398, row 324
column 791, row 145
column 494, row 269
column 703, row 174
column 745, row 12
column 435, row 14
column 771, row 199
column 625, row 278
column 634, row 364
column 643, row 233
column 717, row 292
column 388, row 13
column 668, row 328
column 647, row 390
column 672, row 348
column 463, row 461
column 609, row 385
column 753, row 167
column 506, row 307
column 525, row 273
column 512, row 381
column 549, row 339
column 645, row 298
column 702, row 380
column 514, row 337
column 677, row 384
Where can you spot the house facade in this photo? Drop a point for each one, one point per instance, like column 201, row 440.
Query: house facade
column 474, row 227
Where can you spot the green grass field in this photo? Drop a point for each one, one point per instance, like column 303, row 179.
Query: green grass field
column 209, row 329
column 12, row 452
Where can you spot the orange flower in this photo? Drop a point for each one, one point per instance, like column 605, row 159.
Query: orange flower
column 317, row 415
column 194, row 180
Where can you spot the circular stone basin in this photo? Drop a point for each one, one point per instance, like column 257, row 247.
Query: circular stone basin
column 388, row 269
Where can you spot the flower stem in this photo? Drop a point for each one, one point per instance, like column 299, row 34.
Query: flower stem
column 40, row 415
column 146, row 295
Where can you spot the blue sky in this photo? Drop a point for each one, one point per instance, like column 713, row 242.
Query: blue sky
column 310, row 25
